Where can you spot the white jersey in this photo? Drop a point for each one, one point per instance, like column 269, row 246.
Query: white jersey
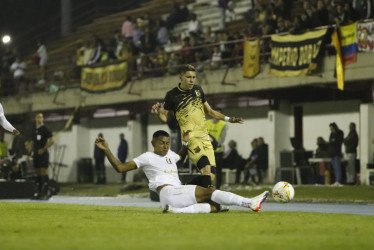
column 160, row 170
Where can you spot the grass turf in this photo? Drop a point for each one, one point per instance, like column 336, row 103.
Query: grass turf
column 57, row 226
column 303, row 193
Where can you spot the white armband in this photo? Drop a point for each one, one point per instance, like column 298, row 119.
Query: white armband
column 185, row 143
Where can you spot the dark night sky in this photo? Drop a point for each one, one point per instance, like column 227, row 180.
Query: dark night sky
column 17, row 16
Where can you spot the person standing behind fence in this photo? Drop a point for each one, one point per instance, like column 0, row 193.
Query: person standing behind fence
column 99, row 156
column 122, row 153
column 351, row 143
column 335, row 151
column 262, row 159
column 42, row 140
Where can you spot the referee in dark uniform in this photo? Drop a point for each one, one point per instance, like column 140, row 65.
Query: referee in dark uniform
column 42, row 140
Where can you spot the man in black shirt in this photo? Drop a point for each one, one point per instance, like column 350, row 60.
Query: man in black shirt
column 42, row 140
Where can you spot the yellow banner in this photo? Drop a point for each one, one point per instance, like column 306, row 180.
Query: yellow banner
column 251, row 58
column 104, row 78
column 339, row 61
column 348, row 34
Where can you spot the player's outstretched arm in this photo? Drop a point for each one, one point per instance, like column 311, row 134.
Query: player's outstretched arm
column 117, row 165
column 183, row 151
column 219, row 116
column 162, row 114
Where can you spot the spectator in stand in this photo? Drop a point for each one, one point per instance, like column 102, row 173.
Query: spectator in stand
column 88, row 52
column 162, row 33
column 127, row 29
column 232, row 160
column 122, row 152
column 216, row 59
column 250, row 168
column 115, row 44
column 97, row 49
column 322, row 148
column 43, row 59
column 281, row 26
column 177, row 15
column 79, row 54
column 194, row 26
column 351, row 144
column 223, row 5
column 138, row 37
column 18, row 69
column 322, row 14
column 186, row 52
column 363, row 9
column 173, row 62
column 99, row 156
column 209, row 36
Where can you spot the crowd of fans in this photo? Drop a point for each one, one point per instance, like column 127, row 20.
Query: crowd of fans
column 154, row 50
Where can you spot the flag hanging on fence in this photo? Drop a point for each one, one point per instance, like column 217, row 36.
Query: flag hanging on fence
column 348, row 40
column 339, row 60
column 296, row 55
column 251, row 58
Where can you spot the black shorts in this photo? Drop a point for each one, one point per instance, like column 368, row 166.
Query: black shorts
column 41, row 161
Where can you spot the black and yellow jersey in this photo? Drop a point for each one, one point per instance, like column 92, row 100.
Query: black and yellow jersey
column 188, row 107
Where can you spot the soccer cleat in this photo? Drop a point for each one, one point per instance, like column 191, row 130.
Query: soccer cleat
column 223, row 208
column 167, row 209
column 256, row 202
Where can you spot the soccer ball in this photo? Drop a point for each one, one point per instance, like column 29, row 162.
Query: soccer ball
column 283, row 192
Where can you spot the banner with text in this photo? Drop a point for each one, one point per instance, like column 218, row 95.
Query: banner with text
column 365, row 36
column 104, row 78
column 296, row 55
column 251, row 58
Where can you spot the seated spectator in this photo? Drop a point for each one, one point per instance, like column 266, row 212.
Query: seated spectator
column 250, row 168
column 322, row 148
column 281, row 26
column 262, row 161
column 186, row 52
column 43, row 59
column 232, row 160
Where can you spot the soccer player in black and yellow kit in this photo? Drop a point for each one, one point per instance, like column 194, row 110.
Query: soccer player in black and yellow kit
column 190, row 106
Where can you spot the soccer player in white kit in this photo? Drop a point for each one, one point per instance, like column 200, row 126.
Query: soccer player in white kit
column 161, row 170
column 5, row 124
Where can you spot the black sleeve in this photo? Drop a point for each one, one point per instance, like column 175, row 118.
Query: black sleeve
column 168, row 101
column 203, row 99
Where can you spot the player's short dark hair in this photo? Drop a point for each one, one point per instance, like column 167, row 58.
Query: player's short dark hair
column 187, row 67
column 159, row 133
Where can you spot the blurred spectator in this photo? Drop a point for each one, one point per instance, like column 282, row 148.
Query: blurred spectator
column 194, row 26
column 3, row 146
column 363, row 8
column 176, row 15
column 208, row 35
column 96, row 50
column 215, row 61
column 250, row 168
column 281, row 26
column 88, row 52
column 138, row 34
column 122, row 153
column 127, row 29
column 335, row 151
column 232, row 160
column 43, row 59
column 79, row 60
column 115, row 44
column 322, row 14
column 174, row 61
column 224, row 5
column 162, row 33
column 322, row 148
column 351, row 144
column 18, row 69
column 186, row 52
column 262, row 158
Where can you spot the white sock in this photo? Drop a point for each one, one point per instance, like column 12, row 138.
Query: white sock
column 203, row 208
column 228, row 199
column 4, row 122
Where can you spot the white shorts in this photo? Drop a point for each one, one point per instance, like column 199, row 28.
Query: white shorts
column 178, row 196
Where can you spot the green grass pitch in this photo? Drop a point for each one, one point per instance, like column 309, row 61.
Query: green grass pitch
column 56, row 226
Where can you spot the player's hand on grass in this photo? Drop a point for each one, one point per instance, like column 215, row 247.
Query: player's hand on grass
column 156, row 108
column 236, row 120
column 101, row 143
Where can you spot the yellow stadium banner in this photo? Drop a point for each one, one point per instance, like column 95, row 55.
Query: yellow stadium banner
column 104, row 78
column 339, row 60
column 296, row 55
column 251, row 58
